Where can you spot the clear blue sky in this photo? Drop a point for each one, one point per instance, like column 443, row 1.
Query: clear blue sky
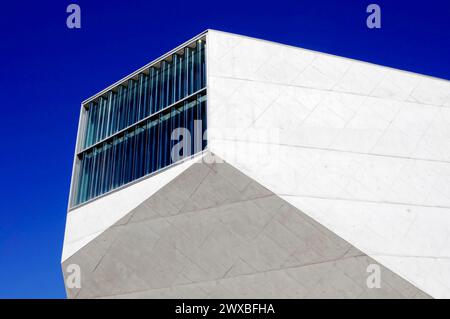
column 47, row 70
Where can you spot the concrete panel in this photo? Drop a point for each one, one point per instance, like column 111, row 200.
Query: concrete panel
column 226, row 236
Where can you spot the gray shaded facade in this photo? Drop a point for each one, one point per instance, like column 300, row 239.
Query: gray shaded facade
column 213, row 232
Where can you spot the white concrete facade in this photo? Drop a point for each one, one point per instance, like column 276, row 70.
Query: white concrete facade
column 361, row 148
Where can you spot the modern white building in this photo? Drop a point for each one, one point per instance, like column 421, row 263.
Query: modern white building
column 304, row 175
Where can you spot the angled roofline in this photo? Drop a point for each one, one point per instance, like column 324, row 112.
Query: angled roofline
column 331, row 55
column 202, row 34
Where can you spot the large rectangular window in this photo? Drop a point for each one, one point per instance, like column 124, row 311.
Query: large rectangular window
column 149, row 92
column 132, row 130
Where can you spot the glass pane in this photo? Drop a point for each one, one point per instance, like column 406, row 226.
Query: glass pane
column 123, row 138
